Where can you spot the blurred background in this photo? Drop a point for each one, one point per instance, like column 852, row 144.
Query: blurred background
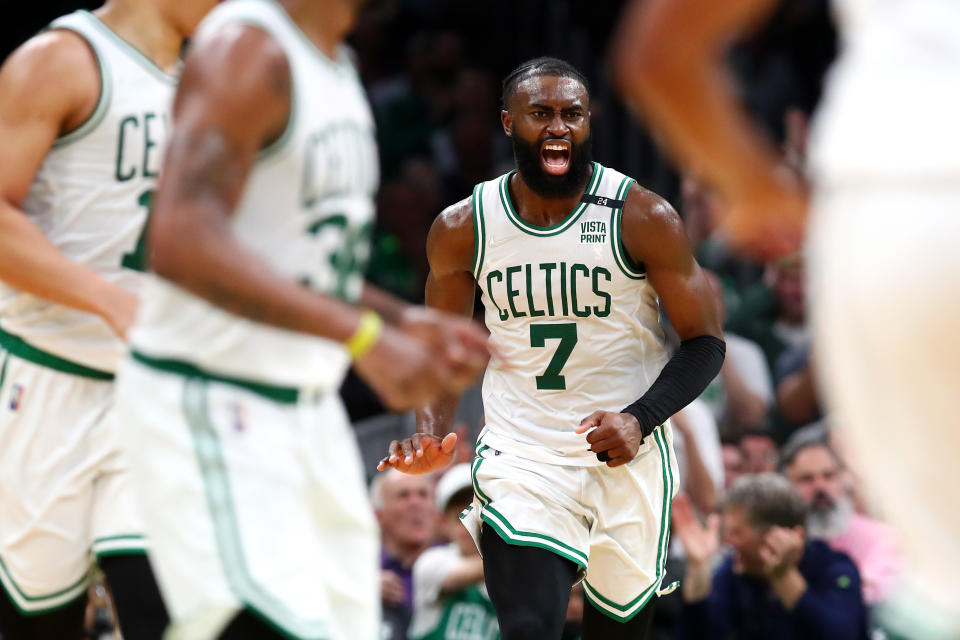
column 432, row 70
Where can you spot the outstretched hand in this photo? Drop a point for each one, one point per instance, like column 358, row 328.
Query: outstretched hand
column 420, row 453
column 615, row 436
column 700, row 542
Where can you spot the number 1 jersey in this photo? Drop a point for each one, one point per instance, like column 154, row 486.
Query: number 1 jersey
column 575, row 317
column 90, row 197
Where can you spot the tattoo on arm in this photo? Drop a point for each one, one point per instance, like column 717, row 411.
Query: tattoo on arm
column 210, row 168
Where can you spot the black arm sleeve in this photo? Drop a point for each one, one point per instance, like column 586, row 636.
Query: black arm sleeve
column 683, row 378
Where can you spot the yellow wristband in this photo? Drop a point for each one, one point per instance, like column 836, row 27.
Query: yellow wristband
column 365, row 336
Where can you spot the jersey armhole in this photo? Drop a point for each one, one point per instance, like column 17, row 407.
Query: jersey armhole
column 103, row 99
column 479, row 231
column 629, row 267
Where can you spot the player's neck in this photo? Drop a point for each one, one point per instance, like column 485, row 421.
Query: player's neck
column 538, row 210
column 143, row 25
column 326, row 24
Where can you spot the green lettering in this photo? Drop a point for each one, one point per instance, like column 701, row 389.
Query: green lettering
column 119, row 173
column 549, row 267
column 601, row 313
column 513, row 293
column 495, row 275
column 563, row 287
column 573, row 289
column 534, row 312
column 148, row 143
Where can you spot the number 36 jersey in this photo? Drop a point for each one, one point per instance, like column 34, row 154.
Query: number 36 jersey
column 575, row 317
column 306, row 212
column 90, row 197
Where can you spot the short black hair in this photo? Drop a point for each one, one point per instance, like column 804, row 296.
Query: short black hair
column 543, row 66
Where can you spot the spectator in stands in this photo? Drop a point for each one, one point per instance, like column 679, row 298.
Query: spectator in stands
column 817, row 473
column 697, row 445
column 450, row 598
column 759, row 452
column 404, row 505
column 797, row 396
column 776, row 583
column 743, row 392
column 774, row 316
column 732, row 461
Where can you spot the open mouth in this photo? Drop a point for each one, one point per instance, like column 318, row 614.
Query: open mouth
column 555, row 156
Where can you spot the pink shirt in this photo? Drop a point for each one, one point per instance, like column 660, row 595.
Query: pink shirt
column 875, row 550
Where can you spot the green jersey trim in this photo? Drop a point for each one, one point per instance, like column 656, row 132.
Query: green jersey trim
column 103, row 99
column 36, row 605
column 479, row 231
column 484, row 499
column 284, row 395
column 220, row 503
column 149, row 65
column 616, row 240
column 17, row 347
column 552, row 230
column 516, row 537
column 127, row 544
column 625, row 612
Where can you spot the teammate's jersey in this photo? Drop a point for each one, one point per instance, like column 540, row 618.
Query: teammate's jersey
column 91, row 194
column 306, row 211
column 576, row 319
column 890, row 103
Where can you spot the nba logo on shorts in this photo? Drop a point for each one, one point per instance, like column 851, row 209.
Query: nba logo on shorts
column 16, row 392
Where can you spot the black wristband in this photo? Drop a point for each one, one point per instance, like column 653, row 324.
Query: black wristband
column 684, row 377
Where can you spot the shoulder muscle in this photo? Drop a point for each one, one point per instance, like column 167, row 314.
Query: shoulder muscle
column 450, row 243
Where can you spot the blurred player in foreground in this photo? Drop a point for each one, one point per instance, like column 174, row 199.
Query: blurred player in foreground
column 246, row 467
column 886, row 178
column 575, row 468
column 84, row 110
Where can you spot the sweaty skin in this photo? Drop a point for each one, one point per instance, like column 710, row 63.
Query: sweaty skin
column 547, row 107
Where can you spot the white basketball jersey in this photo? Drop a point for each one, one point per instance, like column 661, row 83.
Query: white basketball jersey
column 306, row 211
column 91, row 195
column 576, row 319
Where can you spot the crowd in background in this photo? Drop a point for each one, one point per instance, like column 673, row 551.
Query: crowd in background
column 432, row 70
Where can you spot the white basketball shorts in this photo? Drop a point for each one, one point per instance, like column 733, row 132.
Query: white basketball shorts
column 253, row 497
column 614, row 523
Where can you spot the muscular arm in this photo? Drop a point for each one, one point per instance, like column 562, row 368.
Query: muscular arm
column 450, row 288
column 33, row 112
column 668, row 62
column 653, row 234
column 233, row 100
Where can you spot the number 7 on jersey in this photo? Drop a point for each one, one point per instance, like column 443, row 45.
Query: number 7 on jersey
column 566, row 333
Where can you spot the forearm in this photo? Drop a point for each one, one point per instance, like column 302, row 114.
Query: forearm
column 695, row 363
column 744, row 407
column 671, row 68
column 30, row 263
column 697, row 582
column 698, row 482
column 464, row 573
column 437, row 418
column 390, row 307
column 196, row 250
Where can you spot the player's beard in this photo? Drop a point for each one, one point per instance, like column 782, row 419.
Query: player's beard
column 830, row 518
column 545, row 185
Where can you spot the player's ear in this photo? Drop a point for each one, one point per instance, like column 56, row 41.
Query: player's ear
column 507, row 122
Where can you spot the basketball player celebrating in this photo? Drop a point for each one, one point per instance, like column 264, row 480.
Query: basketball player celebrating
column 253, row 490
column 574, row 471
column 83, row 118
column 898, row 73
